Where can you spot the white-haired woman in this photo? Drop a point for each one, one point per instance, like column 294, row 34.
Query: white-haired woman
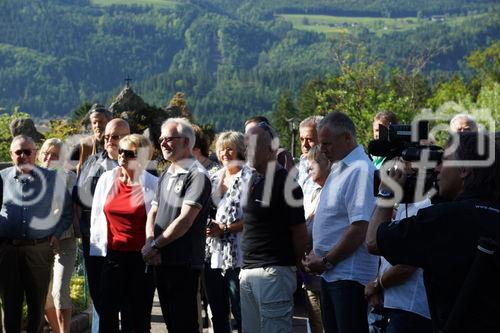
column 58, row 305
column 224, row 231
column 121, row 202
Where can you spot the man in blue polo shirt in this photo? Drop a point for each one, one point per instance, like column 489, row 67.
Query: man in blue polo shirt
column 36, row 209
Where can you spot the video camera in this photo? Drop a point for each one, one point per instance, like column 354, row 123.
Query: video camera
column 396, row 141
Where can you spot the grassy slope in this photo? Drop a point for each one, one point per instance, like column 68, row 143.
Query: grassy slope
column 323, row 23
column 159, row 3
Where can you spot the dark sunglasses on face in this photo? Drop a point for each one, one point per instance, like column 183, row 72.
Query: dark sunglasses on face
column 127, row 153
column 26, row 152
column 115, row 137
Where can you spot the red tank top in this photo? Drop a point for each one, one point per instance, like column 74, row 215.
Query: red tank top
column 126, row 216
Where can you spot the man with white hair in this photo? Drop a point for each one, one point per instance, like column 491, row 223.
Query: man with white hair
column 463, row 123
column 35, row 211
column 175, row 228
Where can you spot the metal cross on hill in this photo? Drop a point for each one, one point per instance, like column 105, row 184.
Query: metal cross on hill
column 127, row 81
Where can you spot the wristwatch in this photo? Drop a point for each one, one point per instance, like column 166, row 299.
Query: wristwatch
column 385, row 194
column 154, row 245
column 328, row 265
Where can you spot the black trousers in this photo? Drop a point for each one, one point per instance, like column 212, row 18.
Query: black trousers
column 93, row 266
column 24, row 271
column 124, row 289
column 178, row 289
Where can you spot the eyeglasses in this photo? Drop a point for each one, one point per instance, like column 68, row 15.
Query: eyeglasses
column 114, row 137
column 26, row 152
column 168, row 138
column 127, row 153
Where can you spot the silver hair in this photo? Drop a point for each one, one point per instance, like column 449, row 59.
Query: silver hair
column 312, row 121
column 470, row 120
column 22, row 137
column 184, row 128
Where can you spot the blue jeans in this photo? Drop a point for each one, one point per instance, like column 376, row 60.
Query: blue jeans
column 343, row 307
column 220, row 290
column 407, row 322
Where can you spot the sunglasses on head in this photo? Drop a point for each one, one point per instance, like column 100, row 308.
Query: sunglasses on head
column 26, row 152
column 265, row 126
column 127, row 153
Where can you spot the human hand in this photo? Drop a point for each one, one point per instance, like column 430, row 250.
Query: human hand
column 148, row 252
column 313, row 264
column 215, row 229
column 54, row 242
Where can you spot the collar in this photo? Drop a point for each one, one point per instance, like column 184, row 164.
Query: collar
column 17, row 175
column 182, row 166
column 353, row 156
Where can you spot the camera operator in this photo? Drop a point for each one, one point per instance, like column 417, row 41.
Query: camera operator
column 442, row 239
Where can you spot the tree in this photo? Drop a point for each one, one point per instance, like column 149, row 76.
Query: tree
column 284, row 111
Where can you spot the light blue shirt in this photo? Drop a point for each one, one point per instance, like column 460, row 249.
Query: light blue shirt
column 35, row 205
column 347, row 197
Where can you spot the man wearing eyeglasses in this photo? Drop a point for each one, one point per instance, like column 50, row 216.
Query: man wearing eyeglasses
column 83, row 193
column 175, row 228
column 36, row 209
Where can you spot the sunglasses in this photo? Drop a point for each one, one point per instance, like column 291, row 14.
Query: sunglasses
column 127, row 153
column 265, row 126
column 168, row 139
column 26, row 152
column 114, row 137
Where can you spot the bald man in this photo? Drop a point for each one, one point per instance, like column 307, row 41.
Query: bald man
column 83, row 193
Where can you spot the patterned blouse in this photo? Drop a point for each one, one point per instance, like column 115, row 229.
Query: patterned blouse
column 224, row 252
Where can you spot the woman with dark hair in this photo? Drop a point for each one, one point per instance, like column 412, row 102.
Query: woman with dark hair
column 121, row 202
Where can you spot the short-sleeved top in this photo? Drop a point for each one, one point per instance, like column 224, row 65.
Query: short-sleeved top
column 442, row 239
column 347, row 197
column 410, row 295
column 267, row 236
column 185, row 184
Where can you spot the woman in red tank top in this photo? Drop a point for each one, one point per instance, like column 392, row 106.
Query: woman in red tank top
column 125, row 193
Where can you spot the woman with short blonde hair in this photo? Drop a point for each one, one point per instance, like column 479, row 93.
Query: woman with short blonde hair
column 223, row 250
column 122, row 200
column 52, row 155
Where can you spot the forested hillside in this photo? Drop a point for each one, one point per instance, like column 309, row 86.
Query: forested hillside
column 232, row 58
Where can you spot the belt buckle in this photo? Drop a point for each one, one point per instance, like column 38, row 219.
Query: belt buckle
column 16, row 242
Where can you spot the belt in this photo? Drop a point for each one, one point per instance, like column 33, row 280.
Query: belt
column 26, row 242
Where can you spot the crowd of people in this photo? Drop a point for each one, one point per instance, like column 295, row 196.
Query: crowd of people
column 241, row 230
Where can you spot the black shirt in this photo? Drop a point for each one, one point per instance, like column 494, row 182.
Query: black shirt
column 189, row 186
column 267, row 237
column 442, row 239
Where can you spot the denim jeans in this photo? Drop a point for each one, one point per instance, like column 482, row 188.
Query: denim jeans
column 267, row 299
column 407, row 322
column 343, row 307
column 221, row 289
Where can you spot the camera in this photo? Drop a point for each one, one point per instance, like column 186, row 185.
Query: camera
column 397, row 141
